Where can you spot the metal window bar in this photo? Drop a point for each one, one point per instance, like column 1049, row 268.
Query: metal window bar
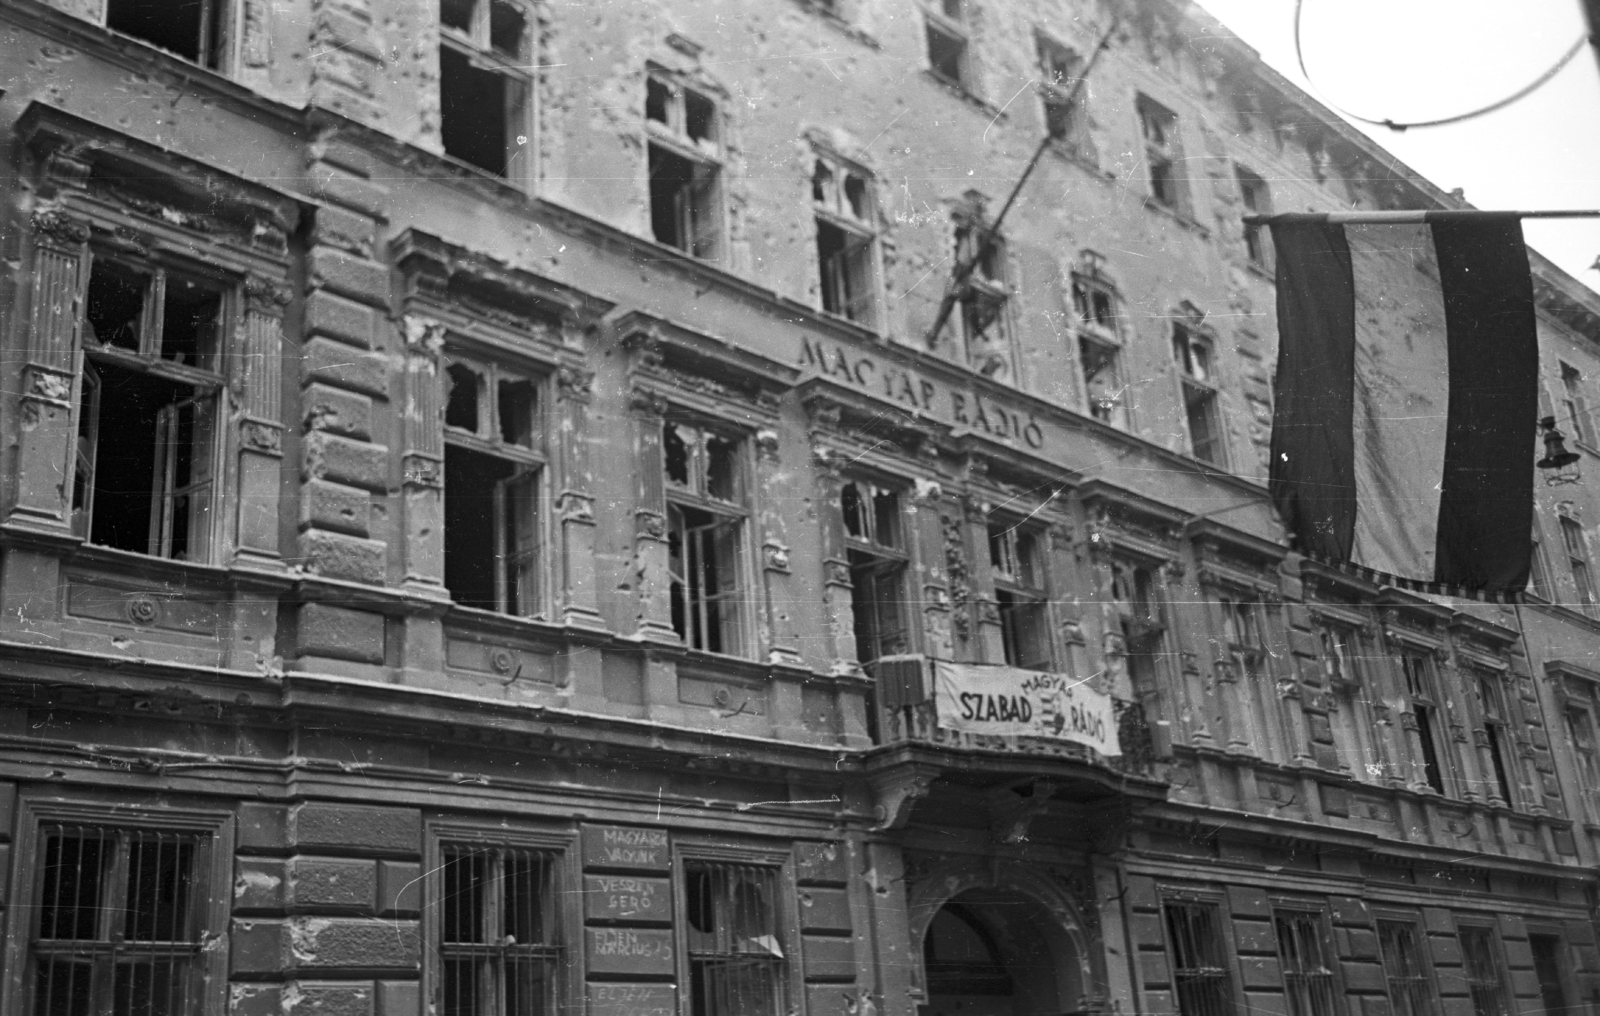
column 119, row 922
column 1483, row 973
column 1307, row 974
column 1199, row 972
column 736, row 957
column 1410, row 990
column 499, row 943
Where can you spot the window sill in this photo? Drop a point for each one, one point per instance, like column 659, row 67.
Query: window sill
column 1177, row 216
column 960, row 91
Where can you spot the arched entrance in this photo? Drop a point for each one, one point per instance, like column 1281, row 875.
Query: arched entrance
column 998, row 952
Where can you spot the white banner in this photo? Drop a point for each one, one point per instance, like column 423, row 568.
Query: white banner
column 979, row 699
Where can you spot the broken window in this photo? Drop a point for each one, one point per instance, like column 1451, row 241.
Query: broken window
column 1257, row 200
column 877, row 555
column 198, row 31
column 982, row 307
column 841, row 196
column 1574, row 406
column 733, row 939
column 685, row 167
column 1163, row 154
column 1020, row 595
column 1417, row 668
column 1064, row 114
column 1192, row 353
column 1496, row 732
column 499, row 934
column 486, row 84
column 706, row 521
column 1100, row 350
column 946, row 34
column 493, row 473
column 120, row 921
column 147, row 410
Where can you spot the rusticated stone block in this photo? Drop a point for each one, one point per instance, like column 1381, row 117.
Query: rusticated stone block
column 324, row 944
column 336, row 151
column 1153, row 969
column 335, row 506
column 330, row 827
column 333, row 883
column 1260, row 972
column 1349, row 910
column 399, row 998
column 338, row 318
column 332, row 184
column 349, row 275
column 824, row 910
column 259, row 884
column 336, row 411
column 1363, row 977
column 344, row 460
column 262, row 827
column 336, row 363
column 346, row 230
column 328, row 998
column 829, row 959
column 1248, row 900
column 255, row 1000
column 399, row 887
column 343, row 557
column 326, row 630
column 832, row 1000
column 819, row 863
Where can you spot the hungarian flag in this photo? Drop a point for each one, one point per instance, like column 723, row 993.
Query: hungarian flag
column 1403, row 438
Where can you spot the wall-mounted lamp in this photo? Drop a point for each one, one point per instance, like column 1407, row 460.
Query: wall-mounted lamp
column 1558, row 465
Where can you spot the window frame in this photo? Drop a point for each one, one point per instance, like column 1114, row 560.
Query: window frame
column 987, row 294
column 739, row 513
column 1023, row 588
column 1060, row 68
column 1350, row 687
column 784, row 916
column 208, row 385
column 1163, row 155
column 705, row 240
column 1494, row 713
column 888, row 561
column 442, row 833
column 219, row 36
column 1562, row 957
column 937, row 19
column 1086, row 285
column 1579, row 714
column 1255, row 198
column 476, row 45
column 1574, row 406
column 1495, row 955
column 1199, row 391
column 834, row 210
column 212, row 867
column 1328, row 976
column 1575, row 542
column 1424, row 978
column 1422, row 688
column 532, row 460
column 1221, row 971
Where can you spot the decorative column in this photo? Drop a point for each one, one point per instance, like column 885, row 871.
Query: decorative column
column 648, row 412
column 578, row 603
column 45, row 439
column 422, row 456
column 838, row 592
column 780, row 641
column 988, row 642
column 260, row 375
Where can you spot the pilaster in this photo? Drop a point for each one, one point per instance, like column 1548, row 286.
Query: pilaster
column 647, row 412
column 577, row 602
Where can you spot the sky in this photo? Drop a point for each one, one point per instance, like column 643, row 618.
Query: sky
column 1430, row 59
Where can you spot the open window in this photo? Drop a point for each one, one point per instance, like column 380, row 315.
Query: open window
column 1094, row 301
column 1347, row 653
column 875, row 538
column 1065, row 118
column 1417, row 667
column 733, row 939
column 1019, row 590
column 1193, row 354
column 148, row 434
column 982, row 311
column 1256, row 199
column 486, row 84
column 1163, row 154
column 1496, row 731
column 707, row 519
column 847, row 252
column 493, row 487
column 199, row 31
column 1576, row 544
column 1574, row 405
column 946, row 34
column 684, row 156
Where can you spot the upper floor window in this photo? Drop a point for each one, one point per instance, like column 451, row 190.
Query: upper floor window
column 877, row 554
column 199, row 31
column 947, row 41
column 685, row 166
column 1574, row 406
column 1550, row 967
column 847, row 253
column 1411, row 990
column 1256, row 199
column 1581, row 736
column 707, row 518
column 1241, row 625
column 1136, row 593
column 486, row 84
column 1192, row 353
column 1019, row 590
column 1100, row 347
column 1417, row 668
column 1199, row 956
column 1577, row 548
column 493, row 486
column 733, row 938
column 1480, row 958
column 1346, row 655
column 148, row 448
column 1163, row 153
column 1497, row 732
column 498, row 937
column 982, row 310
column 121, row 920
column 1307, row 959
column 1060, row 69
column 1538, row 567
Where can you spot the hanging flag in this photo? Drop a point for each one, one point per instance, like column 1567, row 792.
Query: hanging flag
column 1403, row 435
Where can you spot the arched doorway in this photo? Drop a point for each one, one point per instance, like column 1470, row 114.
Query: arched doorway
column 998, row 952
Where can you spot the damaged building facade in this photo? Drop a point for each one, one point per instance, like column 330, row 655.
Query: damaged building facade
column 484, row 499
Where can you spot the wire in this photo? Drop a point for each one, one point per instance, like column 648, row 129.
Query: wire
column 1535, row 85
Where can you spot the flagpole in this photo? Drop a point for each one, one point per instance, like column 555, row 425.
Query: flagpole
column 1412, row 215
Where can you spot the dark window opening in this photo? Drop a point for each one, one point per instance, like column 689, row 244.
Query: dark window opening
column 1481, row 961
column 1257, row 200
column 1162, row 153
column 736, row 956
column 657, row 100
column 947, row 55
column 683, row 203
column 952, row 9
column 821, row 181
column 1059, row 67
column 191, row 323
column 1547, row 967
column 1102, row 380
column 1024, row 631
column 191, row 29
column 699, row 116
column 877, row 605
column 508, row 28
column 1307, row 968
column 491, row 535
column 1430, row 754
column 516, row 403
column 499, row 947
column 1410, row 989
column 1205, row 441
column 1199, row 959
column 1419, row 686
column 461, row 404
column 722, row 467
column 676, row 453
column 480, row 111
column 845, row 264
column 114, row 311
column 457, row 14
column 705, row 588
